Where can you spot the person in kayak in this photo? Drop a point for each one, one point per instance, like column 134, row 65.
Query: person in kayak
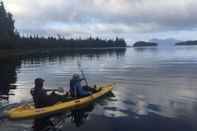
column 40, row 96
column 76, row 89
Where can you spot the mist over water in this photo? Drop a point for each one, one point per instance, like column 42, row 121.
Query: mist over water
column 155, row 88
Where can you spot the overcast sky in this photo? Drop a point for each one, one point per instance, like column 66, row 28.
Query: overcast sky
column 131, row 19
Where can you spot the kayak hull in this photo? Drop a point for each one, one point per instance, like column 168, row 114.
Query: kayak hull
column 29, row 111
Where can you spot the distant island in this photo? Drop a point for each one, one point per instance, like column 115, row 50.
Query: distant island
column 187, row 43
column 144, row 44
column 168, row 42
column 11, row 39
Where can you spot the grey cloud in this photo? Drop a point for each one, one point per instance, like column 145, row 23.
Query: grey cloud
column 118, row 16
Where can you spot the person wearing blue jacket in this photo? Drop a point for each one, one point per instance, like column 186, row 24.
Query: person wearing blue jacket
column 76, row 89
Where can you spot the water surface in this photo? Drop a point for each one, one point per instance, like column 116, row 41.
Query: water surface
column 155, row 90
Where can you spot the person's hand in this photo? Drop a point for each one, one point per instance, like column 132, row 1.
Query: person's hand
column 60, row 89
column 53, row 93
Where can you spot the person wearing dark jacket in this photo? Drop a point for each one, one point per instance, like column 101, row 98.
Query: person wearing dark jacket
column 40, row 96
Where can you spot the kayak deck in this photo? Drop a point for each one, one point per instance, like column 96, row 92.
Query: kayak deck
column 29, row 111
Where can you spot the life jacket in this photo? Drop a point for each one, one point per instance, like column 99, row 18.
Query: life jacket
column 40, row 98
column 76, row 89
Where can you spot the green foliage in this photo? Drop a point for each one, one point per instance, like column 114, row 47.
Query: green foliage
column 6, row 23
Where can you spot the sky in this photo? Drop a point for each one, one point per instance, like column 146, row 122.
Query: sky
column 131, row 19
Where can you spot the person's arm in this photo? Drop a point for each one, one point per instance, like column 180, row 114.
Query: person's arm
column 32, row 91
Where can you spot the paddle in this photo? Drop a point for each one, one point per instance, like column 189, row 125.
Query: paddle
column 84, row 77
column 82, row 73
column 60, row 89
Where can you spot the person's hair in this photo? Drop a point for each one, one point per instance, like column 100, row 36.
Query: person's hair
column 39, row 83
column 76, row 77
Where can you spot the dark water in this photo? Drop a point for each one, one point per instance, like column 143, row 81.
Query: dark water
column 155, row 90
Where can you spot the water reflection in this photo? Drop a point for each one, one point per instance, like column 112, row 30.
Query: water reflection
column 10, row 68
column 142, row 49
column 141, row 106
column 8, row 75
column 62, row 55
column 79, row 116
column 156, row 88
column 59, row 121
column 76, row 117
column 43, row 124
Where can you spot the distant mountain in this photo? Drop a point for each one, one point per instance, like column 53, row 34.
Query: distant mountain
column 187, row 43
column 165, row 42
column 144, row 44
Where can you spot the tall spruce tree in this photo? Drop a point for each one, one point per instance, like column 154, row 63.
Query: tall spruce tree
column 7, row 29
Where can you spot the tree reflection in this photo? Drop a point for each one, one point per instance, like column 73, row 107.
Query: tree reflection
column 8, row 69
column 62, row 54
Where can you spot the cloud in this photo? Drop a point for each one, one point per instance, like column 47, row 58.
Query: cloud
column 104, row 16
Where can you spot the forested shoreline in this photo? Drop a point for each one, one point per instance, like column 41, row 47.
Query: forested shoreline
column 10, row 38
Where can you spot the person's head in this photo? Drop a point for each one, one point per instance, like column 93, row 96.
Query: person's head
column 76, row 77
column 39, row 83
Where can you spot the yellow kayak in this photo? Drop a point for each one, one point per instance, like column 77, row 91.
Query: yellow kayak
column 29, row 111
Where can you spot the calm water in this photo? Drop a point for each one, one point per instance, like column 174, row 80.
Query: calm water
column 155, row 90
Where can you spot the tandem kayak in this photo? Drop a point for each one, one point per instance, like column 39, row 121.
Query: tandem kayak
column 28, row 111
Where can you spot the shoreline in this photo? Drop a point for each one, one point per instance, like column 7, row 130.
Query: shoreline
column 8, row 53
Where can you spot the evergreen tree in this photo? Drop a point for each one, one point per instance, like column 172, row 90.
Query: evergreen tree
column 6, row 24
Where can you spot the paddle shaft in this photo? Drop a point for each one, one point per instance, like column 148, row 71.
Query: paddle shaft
column 54, row 90
column 82, row 73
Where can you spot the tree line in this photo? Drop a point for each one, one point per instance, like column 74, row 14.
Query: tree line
column 11, row 39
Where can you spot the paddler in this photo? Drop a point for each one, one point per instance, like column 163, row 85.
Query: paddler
column 40, row 96
column 76, row 89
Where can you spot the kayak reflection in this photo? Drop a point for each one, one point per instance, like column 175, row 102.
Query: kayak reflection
column 78, row 116
column 43, row 124
column 56, row 123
